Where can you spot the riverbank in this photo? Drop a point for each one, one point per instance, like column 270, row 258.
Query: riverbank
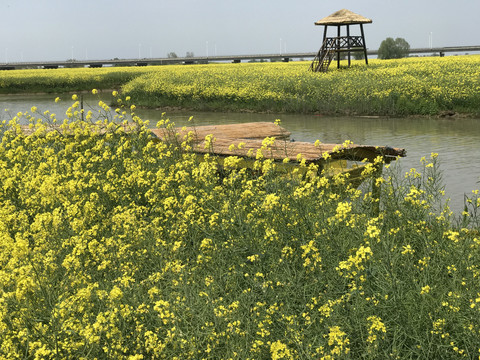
column 429, row 86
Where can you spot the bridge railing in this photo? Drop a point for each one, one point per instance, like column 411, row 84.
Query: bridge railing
column 207, row 59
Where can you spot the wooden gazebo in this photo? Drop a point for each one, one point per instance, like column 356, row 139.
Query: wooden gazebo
column 332, row 46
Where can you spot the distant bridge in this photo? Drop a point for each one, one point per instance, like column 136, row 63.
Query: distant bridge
column 206, row 59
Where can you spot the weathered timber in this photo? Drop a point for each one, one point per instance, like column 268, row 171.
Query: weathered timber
column 254, row 130
column 311, row 153
column 251, row 141
column 246, row 139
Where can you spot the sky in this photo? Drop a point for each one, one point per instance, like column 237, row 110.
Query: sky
column 57, row 30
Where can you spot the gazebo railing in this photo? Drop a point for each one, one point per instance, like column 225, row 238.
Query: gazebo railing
column 344, row 42
column 335, row 45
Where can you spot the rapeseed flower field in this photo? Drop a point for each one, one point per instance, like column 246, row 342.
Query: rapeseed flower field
column 116, row 246
column 409, row 86
column 420, row 86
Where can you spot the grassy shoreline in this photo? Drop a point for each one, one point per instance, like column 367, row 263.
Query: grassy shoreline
column 405, row 87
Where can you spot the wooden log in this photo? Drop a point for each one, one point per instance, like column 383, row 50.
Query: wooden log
column 254, row 130
column 247, row 139
column 282, row 149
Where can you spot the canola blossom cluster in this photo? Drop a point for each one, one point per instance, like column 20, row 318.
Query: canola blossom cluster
column 114, row 244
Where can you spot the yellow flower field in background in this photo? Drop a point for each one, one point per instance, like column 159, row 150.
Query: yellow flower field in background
column 393, row 87
column 410, row 86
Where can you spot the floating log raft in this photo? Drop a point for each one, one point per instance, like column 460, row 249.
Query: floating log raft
column 251, row 141
column 248, row 140
column 311, row 153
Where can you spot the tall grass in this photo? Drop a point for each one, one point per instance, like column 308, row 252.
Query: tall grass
column 114, row 246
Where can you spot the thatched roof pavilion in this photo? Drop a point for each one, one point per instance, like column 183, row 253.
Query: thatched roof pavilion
column 343, row 17
column 332, row 46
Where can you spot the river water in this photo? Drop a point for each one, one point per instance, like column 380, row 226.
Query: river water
column 456, row 140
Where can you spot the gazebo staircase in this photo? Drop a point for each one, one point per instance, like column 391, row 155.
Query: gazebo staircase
column 324, row 56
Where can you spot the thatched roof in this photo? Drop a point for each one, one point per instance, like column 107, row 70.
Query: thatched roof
column 343, row 17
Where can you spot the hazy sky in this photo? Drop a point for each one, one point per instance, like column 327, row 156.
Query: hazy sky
column 104, row 29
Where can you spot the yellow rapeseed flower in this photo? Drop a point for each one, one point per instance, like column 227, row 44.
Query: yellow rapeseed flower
column 425, row 290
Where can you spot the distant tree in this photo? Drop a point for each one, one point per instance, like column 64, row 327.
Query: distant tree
column 393, row 49
column 190, row 54
column 358, row 55
column 172, row 55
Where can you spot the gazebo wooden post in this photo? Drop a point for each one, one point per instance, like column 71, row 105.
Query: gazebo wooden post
column 338, row 46
column 364, row 44
column 324, row 34
column 348, row 45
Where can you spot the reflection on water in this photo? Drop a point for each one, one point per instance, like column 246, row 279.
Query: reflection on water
column 455, row 140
